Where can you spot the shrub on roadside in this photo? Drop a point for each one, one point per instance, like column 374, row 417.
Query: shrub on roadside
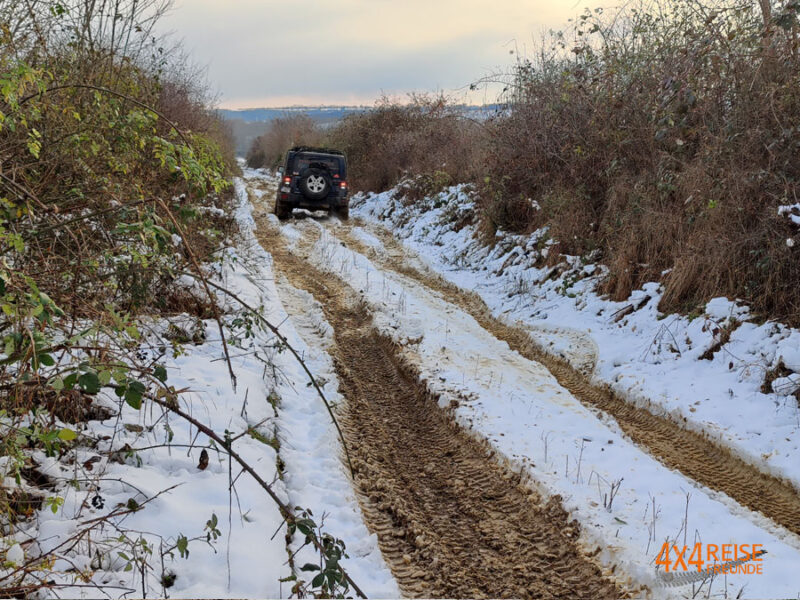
column 282, row 134
column 426, row 137
column 660, row 136
column 114, row 181
column 663, row 134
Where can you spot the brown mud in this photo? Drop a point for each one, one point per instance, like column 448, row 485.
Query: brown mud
column 451, row 521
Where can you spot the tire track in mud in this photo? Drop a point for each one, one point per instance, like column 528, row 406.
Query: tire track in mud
column 691, row 453
column 451, row 522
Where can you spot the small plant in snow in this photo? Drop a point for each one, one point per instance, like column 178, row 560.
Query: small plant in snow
column 329, row 579
column 608, row 499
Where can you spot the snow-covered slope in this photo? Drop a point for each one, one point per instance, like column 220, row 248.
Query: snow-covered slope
column 652, row 359
column 542, row 430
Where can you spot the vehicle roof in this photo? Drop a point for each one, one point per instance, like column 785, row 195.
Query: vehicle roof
column 319, row 150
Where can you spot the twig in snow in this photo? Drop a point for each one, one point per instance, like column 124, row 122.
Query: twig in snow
column 286, row 511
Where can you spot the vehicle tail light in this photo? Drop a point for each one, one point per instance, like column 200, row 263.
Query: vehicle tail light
column 287, row 180
column 343, row 185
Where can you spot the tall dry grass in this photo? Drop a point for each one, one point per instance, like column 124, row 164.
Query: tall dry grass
column 665, row 135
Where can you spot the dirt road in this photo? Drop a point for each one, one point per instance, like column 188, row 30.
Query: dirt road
column 686, row 451
column 450, row 520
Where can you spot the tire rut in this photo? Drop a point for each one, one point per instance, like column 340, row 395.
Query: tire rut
column 451, row 521
column 691, row 453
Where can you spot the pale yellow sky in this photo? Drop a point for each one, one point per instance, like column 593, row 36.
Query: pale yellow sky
column 278, row 53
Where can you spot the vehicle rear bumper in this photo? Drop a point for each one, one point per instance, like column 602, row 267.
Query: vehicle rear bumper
column 300, row 201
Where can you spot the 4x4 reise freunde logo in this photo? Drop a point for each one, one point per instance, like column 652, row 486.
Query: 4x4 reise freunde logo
column 685, row 564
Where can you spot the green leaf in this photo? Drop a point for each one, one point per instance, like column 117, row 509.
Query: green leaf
column 67, row 435
column 57, row 383
column 309, row 567
column 104, row 377
column 318, row 580
column 160, row 373
column 304, row 528
column 183, row 546
column 70, row 380
column 134, row 393
column 89, row 382
column 34, row 147
column 46, row 360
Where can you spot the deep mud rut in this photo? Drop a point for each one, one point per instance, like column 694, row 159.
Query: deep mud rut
column 451, row 522
column 692, row 454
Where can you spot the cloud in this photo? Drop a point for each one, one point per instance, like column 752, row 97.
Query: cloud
column 258, row 49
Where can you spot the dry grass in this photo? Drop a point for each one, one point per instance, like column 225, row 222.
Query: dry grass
column 660, row 135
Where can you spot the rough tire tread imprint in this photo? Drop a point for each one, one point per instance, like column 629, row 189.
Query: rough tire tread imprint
column 451, row 521
column 691, row 453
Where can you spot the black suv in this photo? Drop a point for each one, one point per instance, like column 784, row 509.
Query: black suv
column 313, row 178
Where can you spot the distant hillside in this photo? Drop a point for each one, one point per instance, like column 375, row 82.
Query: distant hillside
column 250, row 123
column 319, row 113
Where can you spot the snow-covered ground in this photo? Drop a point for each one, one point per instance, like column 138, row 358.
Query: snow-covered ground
column 157, row 467
column 537, row 426
column 315, row 475
column 516, row 405
column 542, row 430
column 649, row 358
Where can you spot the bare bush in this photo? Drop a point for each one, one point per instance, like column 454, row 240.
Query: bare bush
column 282, row 134
column 662, row 134
column 427, row 136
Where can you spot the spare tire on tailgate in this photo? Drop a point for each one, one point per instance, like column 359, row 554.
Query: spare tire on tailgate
column 315, row 183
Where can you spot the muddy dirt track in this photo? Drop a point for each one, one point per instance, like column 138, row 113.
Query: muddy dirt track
column 451, row 522
column 686, row 451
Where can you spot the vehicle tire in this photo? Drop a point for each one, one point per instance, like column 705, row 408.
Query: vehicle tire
column 283, row 212
column 343, row 212
column 314, row 184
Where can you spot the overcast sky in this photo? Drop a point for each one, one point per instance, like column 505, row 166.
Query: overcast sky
column 310, row 52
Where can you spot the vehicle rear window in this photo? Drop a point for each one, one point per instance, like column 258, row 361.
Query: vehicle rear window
column 333, row 164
